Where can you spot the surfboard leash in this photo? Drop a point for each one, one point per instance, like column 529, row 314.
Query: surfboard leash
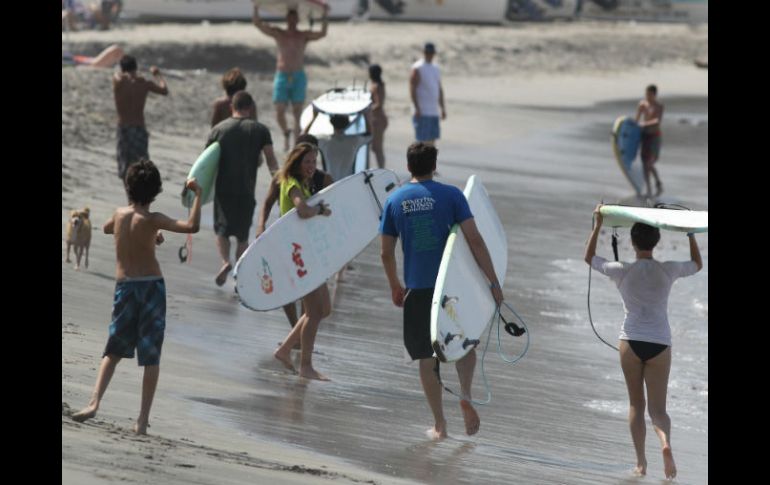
column 513, row 330
column 368, row 181
column 615, row 250
column 185, row 251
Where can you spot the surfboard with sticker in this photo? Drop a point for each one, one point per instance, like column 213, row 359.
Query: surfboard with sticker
column 462, row 305
column 295, row 256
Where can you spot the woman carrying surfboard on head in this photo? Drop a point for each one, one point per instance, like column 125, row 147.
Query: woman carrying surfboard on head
column 296, row 175
column 645, row 337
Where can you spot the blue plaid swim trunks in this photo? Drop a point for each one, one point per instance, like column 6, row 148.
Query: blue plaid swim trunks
column 138, row 319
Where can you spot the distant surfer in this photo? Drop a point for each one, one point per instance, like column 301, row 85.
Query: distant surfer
column 130, row 91
column 232, row 82
column 645, row 337
column 378, row 120
column 421, row 213
column 652, row 111
column 427, row 97
column 290, row 82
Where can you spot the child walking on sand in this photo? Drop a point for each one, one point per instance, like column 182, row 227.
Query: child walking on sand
column 139, row 308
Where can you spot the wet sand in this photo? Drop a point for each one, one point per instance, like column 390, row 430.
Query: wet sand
column 226, row 411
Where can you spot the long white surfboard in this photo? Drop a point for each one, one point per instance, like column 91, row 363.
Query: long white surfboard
column 462, row 304
column 669, row 219
column 295, row 256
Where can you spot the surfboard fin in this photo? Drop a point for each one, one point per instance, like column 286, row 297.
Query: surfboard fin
column 449, row 337
column 468, row 342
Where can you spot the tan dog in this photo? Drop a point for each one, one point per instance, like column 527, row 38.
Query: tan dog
column 79, row 235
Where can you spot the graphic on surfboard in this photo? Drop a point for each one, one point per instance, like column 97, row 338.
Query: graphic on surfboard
column 462, row 305
column 295, row 256
column 625, row 140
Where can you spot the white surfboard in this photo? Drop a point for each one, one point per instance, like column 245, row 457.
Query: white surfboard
column 462, row 304
column 295, row 256
column 351, row 102
column 343, row 101
column 304, row 8
column 348, row 101
column 669, row 219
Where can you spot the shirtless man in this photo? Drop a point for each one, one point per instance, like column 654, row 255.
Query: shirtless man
column 290, row 82
column 130, row 91
column 651, row 136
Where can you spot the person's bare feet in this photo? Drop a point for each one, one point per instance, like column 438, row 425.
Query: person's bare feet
column 437, row 432
column 85, row 413
column 658, row 188
column 285, row 359
column 640, row 470
column 141, row 427
column 669, row 468
column 222, row 275
column 297, row 346
column 471, row 417
column 310, row 373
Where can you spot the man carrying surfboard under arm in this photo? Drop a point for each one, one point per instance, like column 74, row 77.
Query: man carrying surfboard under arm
column 290, row 82
column 242, row 139
column 651, row 136
column 421, row 213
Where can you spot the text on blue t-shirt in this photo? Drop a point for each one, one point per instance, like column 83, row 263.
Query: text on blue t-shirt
column 422, row 214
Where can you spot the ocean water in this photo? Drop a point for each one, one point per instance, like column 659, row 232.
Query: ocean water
column 557, row 416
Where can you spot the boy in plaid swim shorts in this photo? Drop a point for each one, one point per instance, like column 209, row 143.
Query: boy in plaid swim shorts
column 139, row 308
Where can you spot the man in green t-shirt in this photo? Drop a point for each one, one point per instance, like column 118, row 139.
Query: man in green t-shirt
column 241, row 139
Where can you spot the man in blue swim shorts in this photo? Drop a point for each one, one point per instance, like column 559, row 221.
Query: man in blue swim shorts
column 290, row 81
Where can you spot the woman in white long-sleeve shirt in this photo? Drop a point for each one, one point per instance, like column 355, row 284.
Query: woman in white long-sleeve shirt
column 645, row 337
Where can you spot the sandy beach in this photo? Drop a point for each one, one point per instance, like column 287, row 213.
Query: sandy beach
column 530, row 107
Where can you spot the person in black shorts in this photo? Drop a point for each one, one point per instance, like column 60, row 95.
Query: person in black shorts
column 241, row 139
column 421, row 213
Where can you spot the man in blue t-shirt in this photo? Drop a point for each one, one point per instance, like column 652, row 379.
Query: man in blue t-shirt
column 421, row 213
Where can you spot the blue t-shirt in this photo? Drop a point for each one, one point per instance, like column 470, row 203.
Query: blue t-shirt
column 422, row 214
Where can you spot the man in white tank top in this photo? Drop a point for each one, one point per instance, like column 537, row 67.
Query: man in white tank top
column 427, row 97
